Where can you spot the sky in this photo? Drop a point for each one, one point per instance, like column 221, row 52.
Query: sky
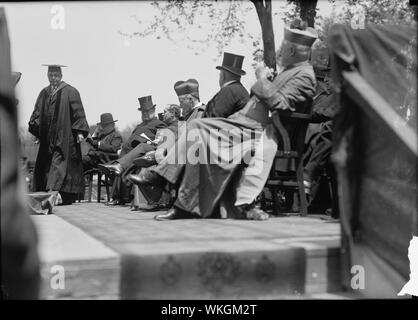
column 110, row 71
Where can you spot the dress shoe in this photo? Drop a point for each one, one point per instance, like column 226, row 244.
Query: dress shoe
column 251, row 212
column 146, row 207
column 171, row 214
column 256, row 214
column 114, row 168
column 145, row 161
column 146, row 178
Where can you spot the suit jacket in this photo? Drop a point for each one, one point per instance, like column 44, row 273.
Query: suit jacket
column 230, row 99
column 149, row 127
column 110, row 143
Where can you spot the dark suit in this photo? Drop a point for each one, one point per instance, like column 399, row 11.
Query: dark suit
column 227, row 101
column 150, row 127
column 103, row 150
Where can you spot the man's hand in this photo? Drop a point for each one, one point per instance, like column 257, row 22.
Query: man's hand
column 263, row 72
column 80, row 138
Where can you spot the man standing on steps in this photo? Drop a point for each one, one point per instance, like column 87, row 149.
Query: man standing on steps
column 59, row 123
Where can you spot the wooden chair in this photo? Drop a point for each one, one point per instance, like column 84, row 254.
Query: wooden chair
column 100, row 183
column 290, row 180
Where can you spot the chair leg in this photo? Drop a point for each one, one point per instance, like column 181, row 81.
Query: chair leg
column 99, row 186
column 107, row 188
column 90, row 177
column 302, row 197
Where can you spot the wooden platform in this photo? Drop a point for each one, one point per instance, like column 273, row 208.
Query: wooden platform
column 112, row 252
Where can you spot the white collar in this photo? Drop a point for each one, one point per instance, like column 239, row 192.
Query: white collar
column 228, row 83
column 198, row 105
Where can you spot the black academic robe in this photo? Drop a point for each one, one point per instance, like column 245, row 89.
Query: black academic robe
column 56, row 120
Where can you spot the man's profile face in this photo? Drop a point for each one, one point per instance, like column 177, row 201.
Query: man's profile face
column 221, row 77
column 54, row 77
column 285, row 53
column 186, row 103
column 168, row 115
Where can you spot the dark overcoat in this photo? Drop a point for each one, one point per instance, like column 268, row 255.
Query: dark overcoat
column 149, row 128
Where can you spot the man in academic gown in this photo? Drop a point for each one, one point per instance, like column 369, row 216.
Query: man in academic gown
column 231, row 175
column 59, row 123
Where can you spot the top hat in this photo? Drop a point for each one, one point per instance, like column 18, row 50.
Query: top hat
column 54, row 67
column 146, row 103
column 232, row 63
column 190, row 86
column 299, row 32
column 106, row 118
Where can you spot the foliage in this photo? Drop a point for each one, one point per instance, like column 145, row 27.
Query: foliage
column 381, row 11
column 197, row 24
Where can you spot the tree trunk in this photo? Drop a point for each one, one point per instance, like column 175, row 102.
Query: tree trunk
column 265, row 17
column 308, row 11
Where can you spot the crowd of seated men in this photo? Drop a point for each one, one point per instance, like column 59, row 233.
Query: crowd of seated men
column 155, row 159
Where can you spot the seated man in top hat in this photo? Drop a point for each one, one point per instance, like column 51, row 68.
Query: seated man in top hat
column 148, row 197
column 225, row 177
column 104, row 143
column 141, row 136
column 231, row 98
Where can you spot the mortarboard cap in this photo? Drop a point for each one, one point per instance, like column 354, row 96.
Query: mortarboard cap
column 53, row 67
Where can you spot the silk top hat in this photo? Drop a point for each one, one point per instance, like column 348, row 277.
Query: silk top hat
column 299, row 32
column 54, row 67
column 146, row 103
column 232, row 63
column 106, row 118
column 190, row 86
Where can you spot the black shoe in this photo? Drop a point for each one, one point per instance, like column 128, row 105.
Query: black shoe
column 146, row 178
column 111, row 168
column 171, row 214
column 145, row 161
